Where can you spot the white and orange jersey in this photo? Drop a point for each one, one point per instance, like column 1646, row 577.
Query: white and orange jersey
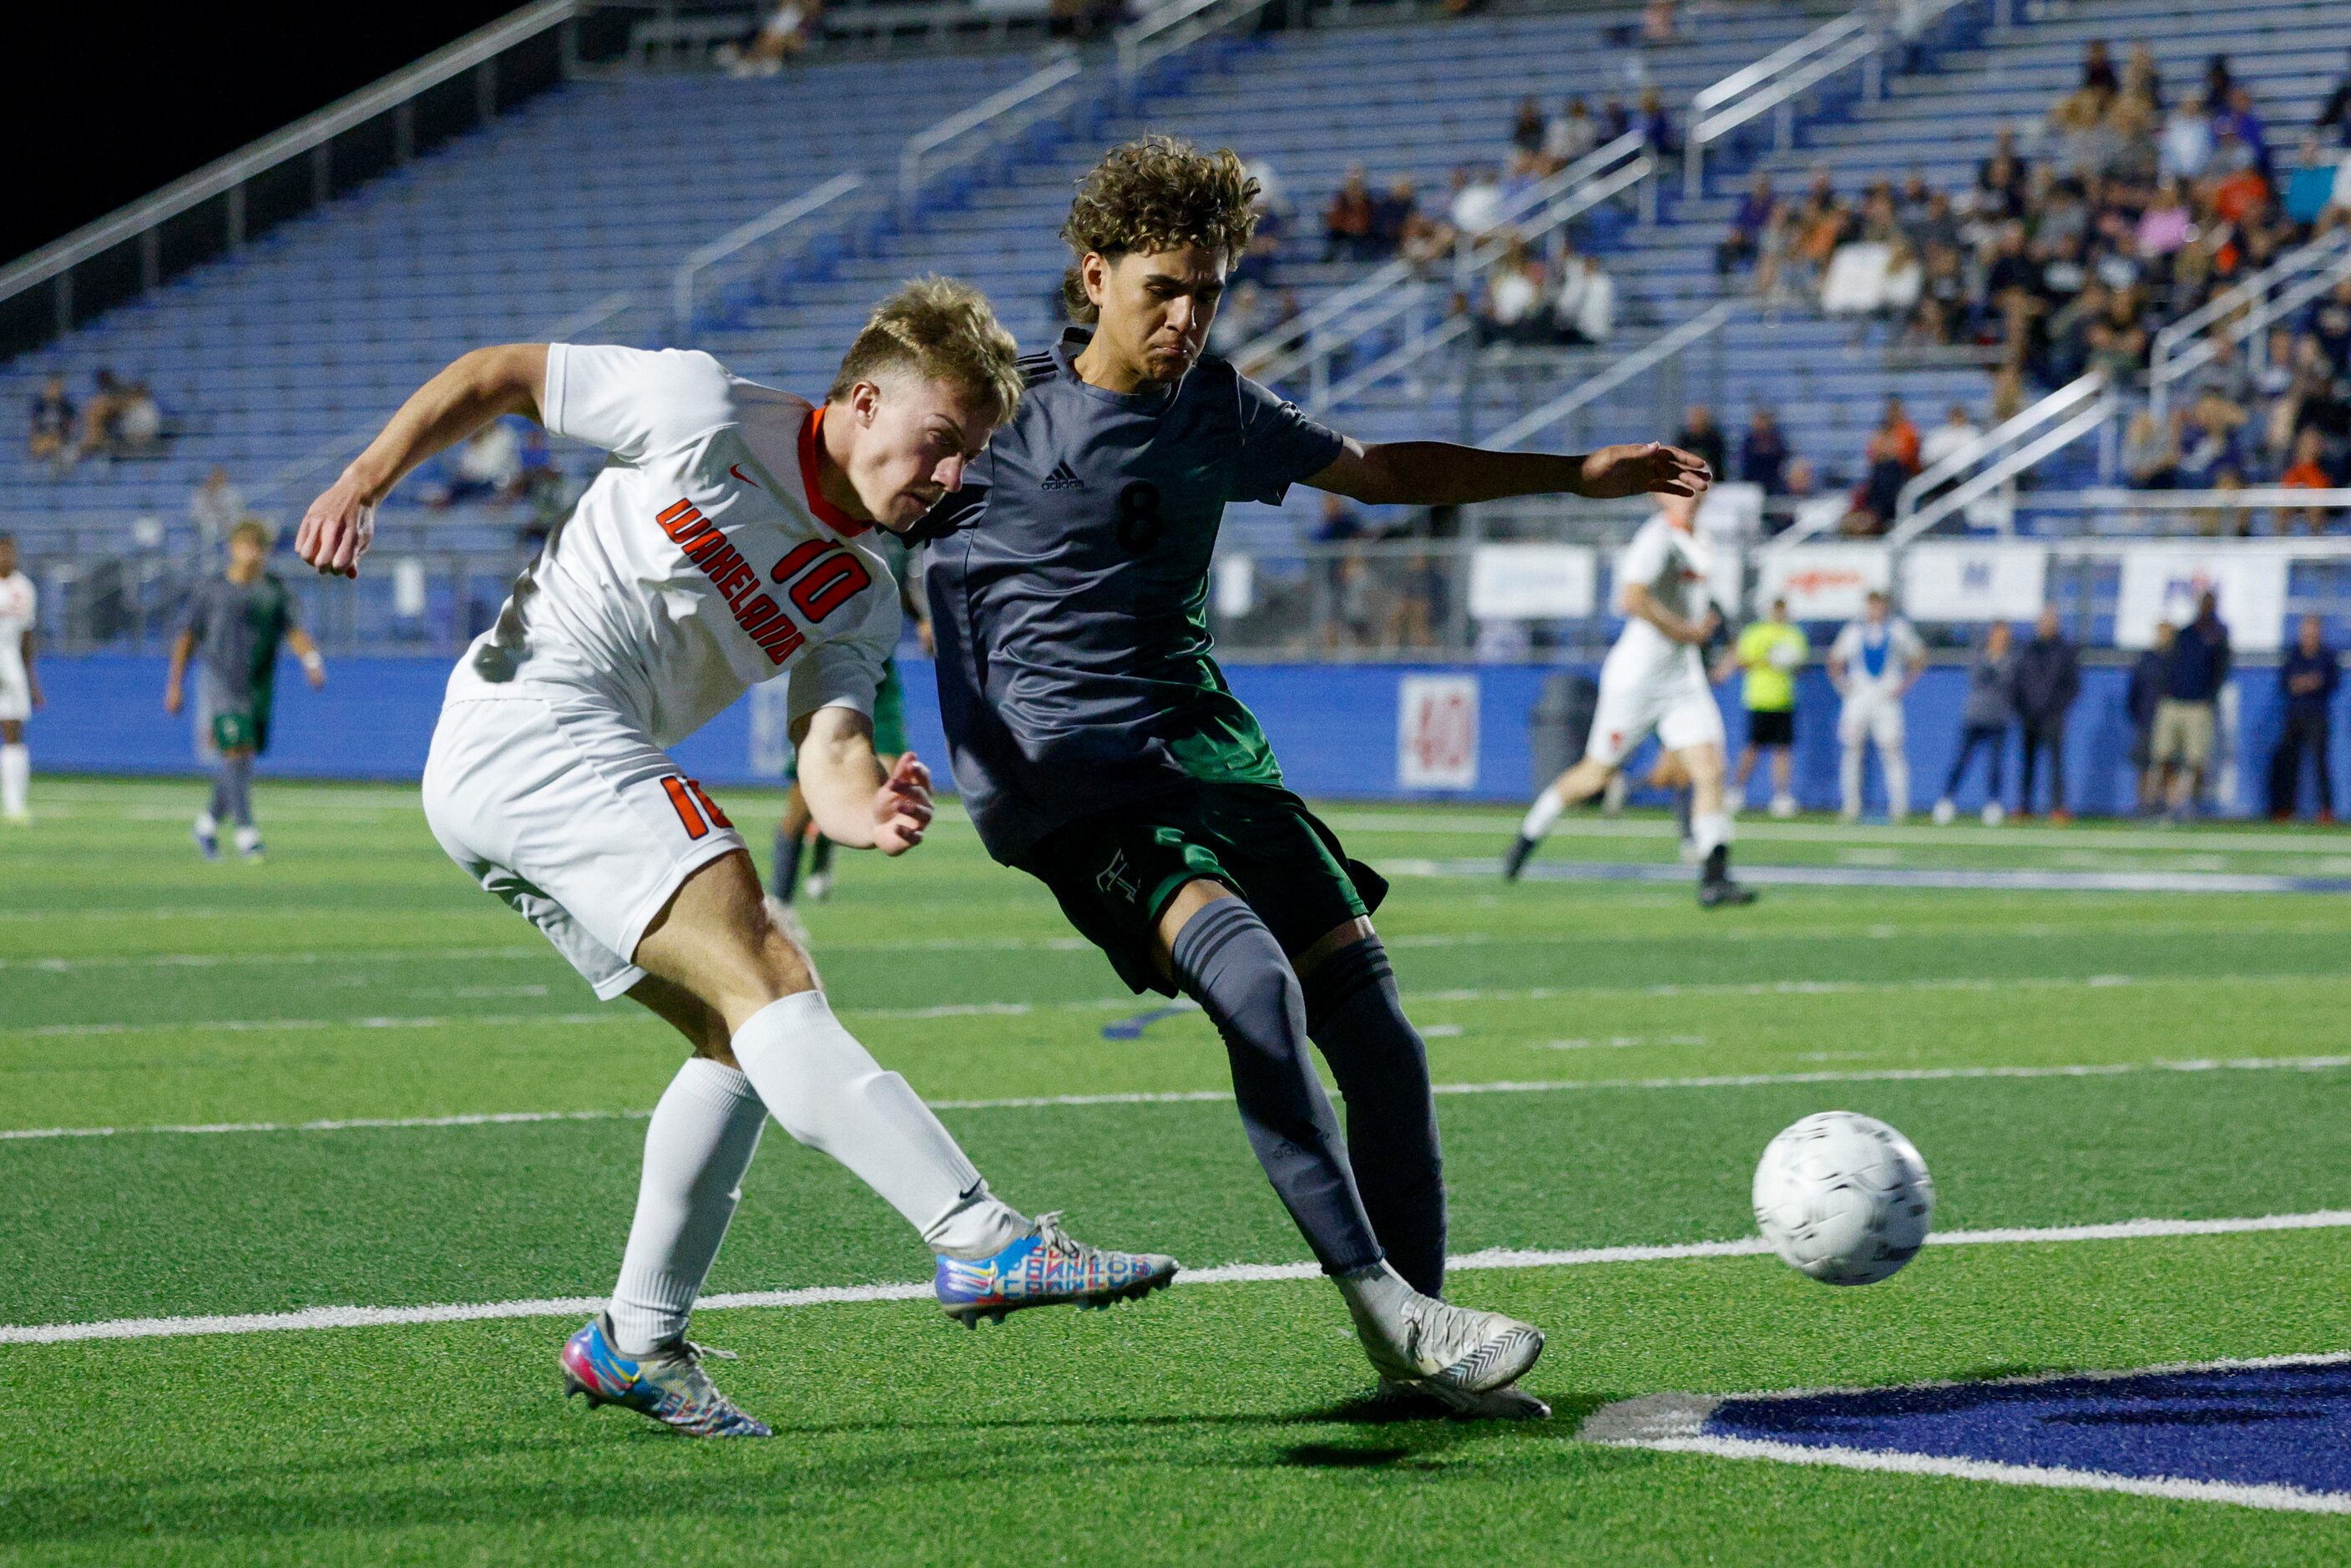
column 19, row 603
column 701, row 561
column 1671, row 563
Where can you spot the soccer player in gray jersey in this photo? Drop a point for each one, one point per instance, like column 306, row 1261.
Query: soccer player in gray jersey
column 1099, row 748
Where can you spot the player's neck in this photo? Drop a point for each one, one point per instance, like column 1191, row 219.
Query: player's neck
column 1097, row 366
column 835, row 434
column 241, row 574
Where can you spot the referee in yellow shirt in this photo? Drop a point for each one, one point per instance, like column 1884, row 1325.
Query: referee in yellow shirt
column 1770, row 653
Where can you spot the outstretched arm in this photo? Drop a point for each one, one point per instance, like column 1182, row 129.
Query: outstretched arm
column 475, row 389
column 1440, row 473
column 1640, row 603
column 853, row 802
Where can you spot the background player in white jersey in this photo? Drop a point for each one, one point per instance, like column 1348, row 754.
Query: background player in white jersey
column 721, row 547
column 1873, row 663
column 1655, row 679
column 20, row 685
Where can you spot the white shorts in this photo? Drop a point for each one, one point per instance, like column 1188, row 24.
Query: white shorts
column 1681, row 708
column 574, row 817
column 16, row 692
column 1871, row 713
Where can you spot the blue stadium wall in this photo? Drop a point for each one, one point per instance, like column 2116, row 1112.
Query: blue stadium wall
column 1334, row 727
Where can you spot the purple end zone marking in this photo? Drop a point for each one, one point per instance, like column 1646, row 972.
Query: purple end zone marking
column 2254, row 1426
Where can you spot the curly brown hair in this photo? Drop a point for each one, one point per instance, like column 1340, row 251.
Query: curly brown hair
column 1154, row 194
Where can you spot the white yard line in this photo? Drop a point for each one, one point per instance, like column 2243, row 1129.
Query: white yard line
column 1213, row 1096
column 1752, row 830
column 1115, row 1004
column 1229, row 1274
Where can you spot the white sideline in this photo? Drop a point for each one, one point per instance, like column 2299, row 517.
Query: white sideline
column 1211, row 1096
column 1229, row 1274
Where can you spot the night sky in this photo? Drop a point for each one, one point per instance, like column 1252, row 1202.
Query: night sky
column 108, row 102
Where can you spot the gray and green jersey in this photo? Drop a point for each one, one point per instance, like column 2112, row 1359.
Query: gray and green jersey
column 1069, row 589
column 235, row 628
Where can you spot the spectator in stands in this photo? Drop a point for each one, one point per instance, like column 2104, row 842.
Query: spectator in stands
column 1570, row 135
column 1900, row 435
column 2168, row 223
column 1528, row 129
column 2335, row 114
column 1584, row 310
column 102, row 415
column 1616, row 120
column 2142, row 75
column 2330, row 327
column 1659, row 21
column 2185, row 717
column 50, row 435
column 1425, row 240
column 1392, row 215
column 2212, row 441
column 1946, row 440
column 2187, row 147
column 215, row 507
column 2308, row 472
column 2048, row 679
column 488, row 467
column 2244, row 122
column 785, row 36
column 139, row 426
column 2307, row 681
column 2098, row 68
column 1349, row 222
column 1986, row 712
column 1512, row 310
column 1870, row 509
column 2151, row 454
column 2225, row 373
column 1763, row 454
column 1744, row 241
column 2219, row 83
column 2087, row 143
column 1261, row 262
column 1656, row 126
column 1699, row 433
column 1477, row 202
column 2002, row 178
column 2149, row 672
column 1419, row 604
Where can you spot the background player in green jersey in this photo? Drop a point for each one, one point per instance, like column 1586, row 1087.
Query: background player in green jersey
column 1098, row 748
column 1770, row 653
column 235, row 622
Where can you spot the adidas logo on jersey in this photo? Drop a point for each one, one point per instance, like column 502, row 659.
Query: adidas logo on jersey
column 1062, row 477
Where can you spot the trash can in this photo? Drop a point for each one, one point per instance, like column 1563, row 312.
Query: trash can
column 1561, row 724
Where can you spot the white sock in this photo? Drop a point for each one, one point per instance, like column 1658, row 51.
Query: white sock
column 1849, row 780
column 247, row 838
column 1540, row 815
column 16, row 777
column 1710, row 829
column 1897, row 781
column 697, row 1146
column 1375, row 1299
column 827, row 1092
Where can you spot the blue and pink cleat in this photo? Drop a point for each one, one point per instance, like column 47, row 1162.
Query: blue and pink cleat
column 1047, row 1268
column 668, row 1386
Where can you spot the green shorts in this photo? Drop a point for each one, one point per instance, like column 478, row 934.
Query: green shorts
column 1115, row 873
column 889, row 720
column 242, row 728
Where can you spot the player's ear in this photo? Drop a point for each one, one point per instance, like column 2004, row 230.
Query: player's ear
column 1095, row 273
column 865, row 401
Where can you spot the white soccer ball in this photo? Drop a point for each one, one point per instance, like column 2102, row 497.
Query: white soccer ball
column 1843, row 1197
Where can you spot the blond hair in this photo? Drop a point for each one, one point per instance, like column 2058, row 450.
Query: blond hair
column 252, row 528
column 1158, row 193
column 942, row 330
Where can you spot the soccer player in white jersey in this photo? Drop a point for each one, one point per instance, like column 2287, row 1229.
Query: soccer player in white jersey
column 1653, row 679
column 20, row 687
column 722, row 547
column 1873, row 663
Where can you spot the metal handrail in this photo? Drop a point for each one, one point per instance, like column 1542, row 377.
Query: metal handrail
column 2007, row 433
column 684, row 282
column 1654, row 352
column 915, row 153
column 2313, row 269
column 1143, row 43
column 2016, row 461
column 1341, row 321
column 225, row 175
column 1860, row 37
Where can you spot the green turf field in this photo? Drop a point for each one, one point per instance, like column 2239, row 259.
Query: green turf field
column 1617, row 1060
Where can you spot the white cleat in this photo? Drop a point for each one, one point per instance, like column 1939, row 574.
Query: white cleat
column 1945, row 813
column 817, row 885
column 1994, row 814
column 1783, row 806
column 1449, row 1353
